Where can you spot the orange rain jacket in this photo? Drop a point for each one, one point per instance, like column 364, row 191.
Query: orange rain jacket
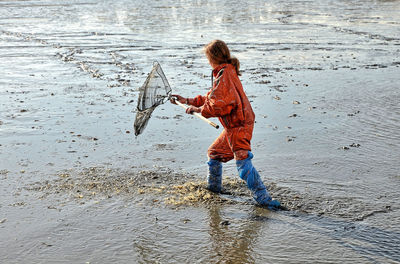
column 227, row 101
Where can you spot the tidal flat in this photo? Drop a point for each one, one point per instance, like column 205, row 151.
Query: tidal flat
column 77, row 186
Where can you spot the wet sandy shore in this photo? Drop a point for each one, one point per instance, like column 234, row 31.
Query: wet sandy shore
column 77, row 186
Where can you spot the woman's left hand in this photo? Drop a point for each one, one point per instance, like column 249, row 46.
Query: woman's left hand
column 192, row 109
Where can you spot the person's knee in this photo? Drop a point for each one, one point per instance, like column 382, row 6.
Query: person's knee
column 222, row 157
column 241, row 154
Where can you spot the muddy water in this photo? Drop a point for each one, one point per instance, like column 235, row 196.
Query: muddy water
column 77, row 186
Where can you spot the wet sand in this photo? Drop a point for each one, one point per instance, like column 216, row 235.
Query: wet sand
column 78, row 186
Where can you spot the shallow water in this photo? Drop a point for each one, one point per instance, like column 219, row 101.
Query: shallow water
column 323, row 80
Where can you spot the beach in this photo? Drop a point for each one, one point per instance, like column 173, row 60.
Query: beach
column 77, row 186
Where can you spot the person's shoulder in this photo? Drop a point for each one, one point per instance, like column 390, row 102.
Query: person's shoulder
column 229, row 69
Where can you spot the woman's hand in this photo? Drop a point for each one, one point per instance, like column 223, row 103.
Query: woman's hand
column 177, row 97
column 192, row 109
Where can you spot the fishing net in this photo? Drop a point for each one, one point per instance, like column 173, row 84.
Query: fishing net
column 154, row 91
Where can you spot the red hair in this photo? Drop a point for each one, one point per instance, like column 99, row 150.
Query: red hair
column 218, row 52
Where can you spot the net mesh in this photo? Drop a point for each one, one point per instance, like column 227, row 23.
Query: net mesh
column 155, row 91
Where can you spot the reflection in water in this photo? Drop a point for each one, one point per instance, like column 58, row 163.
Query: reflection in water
column 237, row 243
column 231, row 243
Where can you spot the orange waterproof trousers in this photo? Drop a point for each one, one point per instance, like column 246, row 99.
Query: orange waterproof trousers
column 233, row 143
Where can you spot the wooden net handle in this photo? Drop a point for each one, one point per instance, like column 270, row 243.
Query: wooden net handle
column 198, row 115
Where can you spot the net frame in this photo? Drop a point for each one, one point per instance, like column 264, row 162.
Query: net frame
column 154, row 92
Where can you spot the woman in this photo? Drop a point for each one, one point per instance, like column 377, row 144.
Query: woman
column 227, row 101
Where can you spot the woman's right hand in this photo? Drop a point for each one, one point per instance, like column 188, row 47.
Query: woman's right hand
column 177, row 97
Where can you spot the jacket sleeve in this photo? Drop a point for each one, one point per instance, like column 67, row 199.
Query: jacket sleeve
column 221, row 99
column 198, row 100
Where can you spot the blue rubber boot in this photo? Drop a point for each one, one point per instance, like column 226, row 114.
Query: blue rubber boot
column 214, row 175
column 248, row 173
